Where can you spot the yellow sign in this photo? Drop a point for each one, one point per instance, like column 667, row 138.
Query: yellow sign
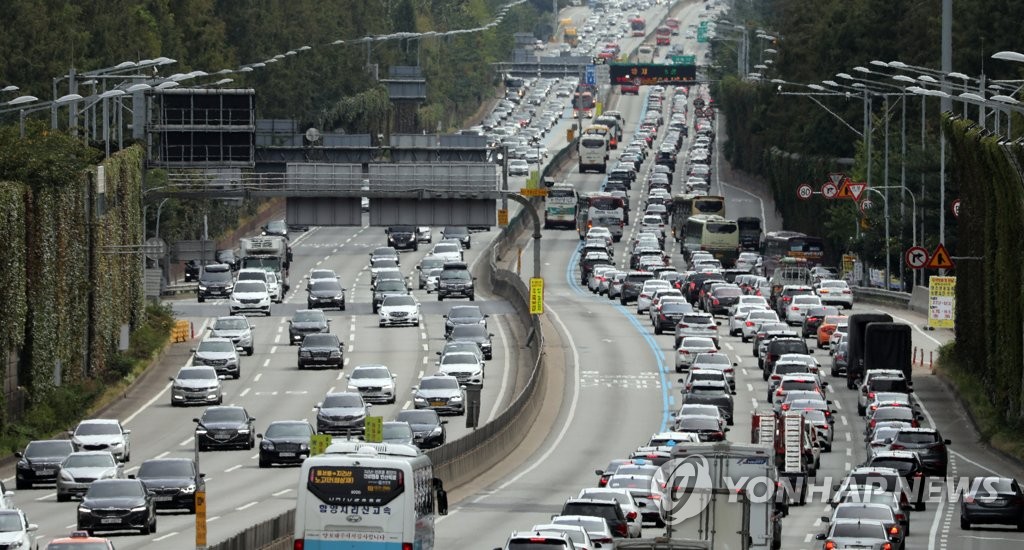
column 528, row 192
column 940, row 259
column 848, row 260
column 598, row 108
column 200, row 519
column 536, row 296
column 502, row 217
column 941, row 302
column 318, row 444
column 374, row 429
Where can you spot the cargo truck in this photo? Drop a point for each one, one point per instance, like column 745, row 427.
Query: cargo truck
column 876, row 342
column 270, row 253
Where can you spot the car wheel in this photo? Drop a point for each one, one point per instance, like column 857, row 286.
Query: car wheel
column 22, row 484
column 472, row 297
column 342, row 308
column 861, row 411
column 301, row 366
column 657, row 329
column 439, row 297
column 966, row 525
column 145, row 529
column 220, row 400
column 249, row 351
column 201, row 299
column 264, row 463
column 744, row 339
column 203, row 447
column 152, row 525
column 252, row 444
column 237, row 375
column 63, row 497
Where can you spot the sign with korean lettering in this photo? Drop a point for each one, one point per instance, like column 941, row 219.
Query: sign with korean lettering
column 941, row 302
column 536, row 296
column 648, row 73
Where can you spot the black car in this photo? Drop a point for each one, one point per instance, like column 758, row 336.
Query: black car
column 427, row 427
column 592, row 259
column 723, row 297
column 276, row 227
column 707, row 428
column 40, row 460
column 324, row 293
column 669, row 315
column 225, row 427
column 285, row 442
column 459, row 232
column 389, row 287
column 192, row 270
column 453, row 280
column 117, row 505
column 321, row 350
column 814, row 318
column 607, row 509
column 306, row 322
column 779, row 347
column 215, row 280
column 473, row 333
column 711, row 393
column 929, row 446
column 229, row 257
column 402, row 237
column 997, row 500
column 463, row 315
column 172, row 482
column 632, row 285
column 909, row 465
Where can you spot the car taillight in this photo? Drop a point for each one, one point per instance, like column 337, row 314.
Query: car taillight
column 602, row 482
column 684, row 352
column 886, row 546
column 729, row 371
column 786, row 299
column 604, row 540
column 408, row 545
column 532, row 539
column 631, row 516
column 683, row 326
column 872, row 423
column 795, row 308
column 622, row 529
column 914, row 424
column 662, row 316
column 785, row 406
column 299, row 544
column 750, row 323
column 894, row 530
column 901, row 517
column 715, row 301
column 776, row 377
column 823, row 426
column 871, row 395
column 846, row 292
column 778, row 391
column 969, row 500
column 830, row 545
column 896, row 447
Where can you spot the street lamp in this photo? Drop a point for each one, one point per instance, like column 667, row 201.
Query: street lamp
column 1009, row 56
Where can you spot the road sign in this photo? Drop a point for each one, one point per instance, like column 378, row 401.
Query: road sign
column 856, row 189
column 866, row 205
column 829, row 190
column 318, row 444
column 836, row 178
column 941, row 302
column 533, row 192
column 502, row 217
column 956, row 208
column 804, row 191
column 374, row 432
column 200, row 497
column 916, row 257
column 650, row 73
column 684, row 59
column 590, row 75
column 536, row 296
column 155, row 248
column 940, row 259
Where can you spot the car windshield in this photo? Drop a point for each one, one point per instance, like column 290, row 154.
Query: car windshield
column 402, row 229
column 288, row 429
column 696, row 320
column 216, row 346
column 455, row 274
column 917, row 438
column 446, row 248
column 106, row 489
column 231, row 324
column 165, row 468
column 439, row 383
column 431, row 263
column 893, row 413
column 692, row 342
column 391, row 285
column 89, row 461
column 226, row 414
column 901, row 465
column 676, row 307
column 418, row 417
column 691, row 423
column 322, row 274
column 458, row 359
column 594, row 525
column 10, row 521
column 308, row 316
column 370, row 373
column 816, row 416
column 727, row 292
column 98, row 428
column 712, row 359
column 257, row 287
column 455, row 231
column 397, row 430
column 343, row 401
column 378, row 263
column 469, row 331
column 47, row 448
column 393, row 301
column 197, row 374
column 320, row 341
column 217, row 276
column 465, row 312
column 256, row 275
column 707, row 390
column 325, row 285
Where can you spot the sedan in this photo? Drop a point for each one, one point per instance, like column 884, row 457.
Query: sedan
column 399, row 310
column 321, row 350
column 397, row 432
column 710, row 393
column 427, row 427
column 325, row 293
column 196, row 386
column 466, row 367
column 373, row 382
column 82, row 468
column 117, row 505
column 870, row 512
column 225, row 427
column 992, row 500
column 342, row 413
column 15, row 530
column 441, row 393
column 102, row 434
column 835, row 292
column 285, row 442
column 852, row 533
column 474, row 333
column 173, row 482
column 518, row 167
column 463, row 315
column 304, row 322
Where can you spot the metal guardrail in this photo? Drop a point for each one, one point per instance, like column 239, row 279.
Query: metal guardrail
column 881, row 296
column 275, row 533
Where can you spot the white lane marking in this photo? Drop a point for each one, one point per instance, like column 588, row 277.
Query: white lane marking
column 426, row 347
column 47, row 497
column 849, row 451
column 232, row 469
column 969, row 461
column 423, row 335
column 162, row 455
column 421, row 374
column 244, row 392
column 257, row 377
column 839, row 406
column 188, row 441
column 214, row 518
column 273, row 350
column 341, row 374
column 848, row 436
column 347, row 359
column 504, row 378
column 247, row 505
column 279, row 493
column 750, row 387
column 842, row 419
column 916, row 327
column 728, row 346
column 266, row 363
column 406, row 406
column 351, row 347
column 277, row 339
column 426, row 360
column 148, row 404
column 167, row 536
column 543, row 459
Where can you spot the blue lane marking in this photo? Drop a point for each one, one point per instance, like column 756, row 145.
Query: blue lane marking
column 667, row 401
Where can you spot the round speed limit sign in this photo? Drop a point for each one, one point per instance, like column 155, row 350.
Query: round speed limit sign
column 804, row 191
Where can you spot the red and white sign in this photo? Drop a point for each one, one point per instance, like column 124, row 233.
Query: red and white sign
column 836, row 178
column 857, row 189
column 804, row 191
column 866, row 205
column 829, row 190
column 956, row 208
column 916, row 257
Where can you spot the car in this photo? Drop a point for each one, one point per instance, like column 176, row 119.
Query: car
column 839, row 359
column 669, row 314
column 881, row 380
column 689, row 348
column 374, row 382
column 466, row 367
column 320, row 274
column 518, row 167
column 539, row 540
column 236, row 328
column 342, row 413
column 474, row 333
column 450, row 251
column 992, row 500
column 325, row 293
column 752, row 323
column 596, row 527
column 102, row 434
column 697, row 324
column 856, row 533
column 632, row 285
column 611, row 511
column 738, row 317
column 597, row 277
column 892, row 412
column 618, row 490
column 39, row 462
column 798, row 307
column 219, row 353
column 880, row 437
column 929, row 445
column 196, row 386
column 814, row 318
column 909, row 466
column 428, row 270
column 710, row 393
column 455, row 280
column 386, row 288
column 285, row 442
column 384, row 253
column 402, row 237
column 707, row 428
column 878, row 479
column 717, row 361
column 321, row 349
column 80, row 469
column 577, row 534
column 821, row 419
column 117, row 505
column 15, row 530
column 441, row 393
column 225, row 427
column 399, row 310
column 459, row 233
column 791, row 382
column 276, row 227
column 192, row 270
column 779, row 346
column 721, row 298
column 172, row 482
column 835, row 291
column 261, row 275
column 214, row 280
column 80, row 540
column 781, row 301
column 463, row 315
column 646, row 295
column 827, row 328
column 699, row 409
column 423, row 234
column 250, row 296
column 427, row 427
column 306, row 322
column 590, row 260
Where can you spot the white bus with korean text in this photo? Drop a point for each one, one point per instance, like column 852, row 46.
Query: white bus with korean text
column 560, row 206
column 593, row 152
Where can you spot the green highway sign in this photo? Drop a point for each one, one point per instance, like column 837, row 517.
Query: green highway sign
column 684, row 59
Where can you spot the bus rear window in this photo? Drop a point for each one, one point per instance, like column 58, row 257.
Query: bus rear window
column 721, row 228
column 346, row 486
column 592, row 143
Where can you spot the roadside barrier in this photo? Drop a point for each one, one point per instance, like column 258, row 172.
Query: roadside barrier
column 183, row 331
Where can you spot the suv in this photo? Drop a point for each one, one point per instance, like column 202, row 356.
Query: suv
column 219, row 353
column 779, row 347
column 697, row 324
column 215, row 280
column 632, row 285
column 721, row 298
column 402, row 237
column 607, row 509
column 458, row 232
column 539, row 540
column 881, row 380
column 455, row 280
column 173, row 482
column 929, row 446
column 235, row 328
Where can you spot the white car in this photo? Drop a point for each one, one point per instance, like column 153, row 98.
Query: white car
column 250, row 296
column 450, row 251
column 466, row 366
column 739, row 317
column 275, row 287
column 424, row 234
column 373, row 382
column 320, row 275
column 622, row 495
column 102, row 434
column 518, row 167
column 598, row 232
column 643, row 301
column 749, row 300
column 399, row 310
column 835, row 291
column 15, row 530
column 689, row 348
column 752, row 322
column 797, row 308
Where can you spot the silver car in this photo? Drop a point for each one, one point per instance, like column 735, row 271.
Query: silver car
column 441, row 393
column 373, row 382
column 856, row 533
column 428, row 269
column 102, row 434
column 196, row 386
column 219, row 353
column 341, row 413
column 81, row 468
column 752, row 322
column 235, row 328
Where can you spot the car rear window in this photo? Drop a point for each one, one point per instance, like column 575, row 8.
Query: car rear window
column 697, row 319
column 606, row 511
column 780, row 347
column 727, row 292
column 917, row 437
column 889, row 385
column 903, row 466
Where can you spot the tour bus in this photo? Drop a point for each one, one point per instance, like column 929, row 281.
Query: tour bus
column 638, row 26
column 790, row 244
column 645, row 54
column 560, row 206
column 365, row 496
column 684, row 206
column 614, row 128
column 714, row 234
column 593, row 152
column 663, row 36
column 600, row 209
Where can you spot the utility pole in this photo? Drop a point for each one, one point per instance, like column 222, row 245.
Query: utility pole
column 945, row 103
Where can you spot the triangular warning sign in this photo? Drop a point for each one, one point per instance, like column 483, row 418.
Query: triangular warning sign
column 844, row 190
column 836, row 178
column 856, row 189
column 940, row 259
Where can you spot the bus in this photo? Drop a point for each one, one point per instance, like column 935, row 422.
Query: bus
column 593, row 152
column 560, row 206
column 714, row 234
column 638, row 25
column 663, row 36
column 360, row 495
column 645, row 54
column 614, row 128
column 600, row 209
column 684, row 206
column 583, row 102
column 791, row 244
column 673, row 24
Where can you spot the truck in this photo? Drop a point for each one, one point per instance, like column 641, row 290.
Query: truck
column 793, row 440
column 739, row 505
column 750, row 232
column 571, row 37
column 269, row 252
column 876, row 342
